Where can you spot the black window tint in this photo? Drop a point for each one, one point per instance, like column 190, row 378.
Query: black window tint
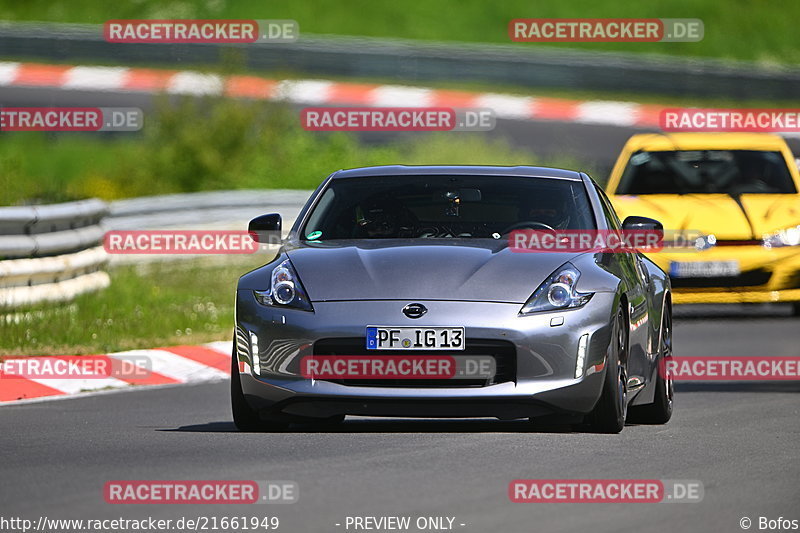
column 706, row 171
column 446, row 206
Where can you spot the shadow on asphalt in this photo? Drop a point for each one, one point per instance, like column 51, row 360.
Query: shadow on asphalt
column 211, row 427
column 397, row 426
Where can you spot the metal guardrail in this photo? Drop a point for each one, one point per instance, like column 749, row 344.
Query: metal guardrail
column 411, row 61
column 220, row 209
column 201, row 210
column 51, row 252
column 45, row 230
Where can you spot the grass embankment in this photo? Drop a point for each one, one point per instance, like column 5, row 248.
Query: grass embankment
column 215, row 145
column 736, row 29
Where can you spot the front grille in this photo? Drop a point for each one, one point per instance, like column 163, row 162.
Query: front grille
column 740, row 242
column 751, row 278
column 503, row 352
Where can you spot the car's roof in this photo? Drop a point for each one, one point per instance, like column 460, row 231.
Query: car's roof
column 458, row 170
column 705, row 141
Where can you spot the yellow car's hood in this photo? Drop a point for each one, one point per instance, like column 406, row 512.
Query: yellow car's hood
column 719, row 214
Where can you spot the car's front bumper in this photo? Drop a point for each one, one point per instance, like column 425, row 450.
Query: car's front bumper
column 767, row 275
column 545, row 359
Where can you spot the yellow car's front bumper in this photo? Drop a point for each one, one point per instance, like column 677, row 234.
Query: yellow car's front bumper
column 767, row 275
column 698, row 296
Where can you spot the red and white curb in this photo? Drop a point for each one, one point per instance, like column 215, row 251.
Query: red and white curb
column 166, row 366
column 323, row 92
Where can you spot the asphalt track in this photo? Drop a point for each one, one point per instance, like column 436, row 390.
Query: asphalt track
column 740, row 440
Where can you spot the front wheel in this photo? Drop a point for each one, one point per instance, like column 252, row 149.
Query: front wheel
column 609, row 414
column 244, row 417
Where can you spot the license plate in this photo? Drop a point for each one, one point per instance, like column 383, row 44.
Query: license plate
column 405, row 338
column 704, row 269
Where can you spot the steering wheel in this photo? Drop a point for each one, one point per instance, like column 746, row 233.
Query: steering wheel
column 527, row 224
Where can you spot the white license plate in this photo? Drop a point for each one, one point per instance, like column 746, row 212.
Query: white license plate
column 405, row 338
column 704, row 269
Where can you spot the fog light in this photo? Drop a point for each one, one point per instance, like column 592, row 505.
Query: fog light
column 583, row 343
column 254, row 353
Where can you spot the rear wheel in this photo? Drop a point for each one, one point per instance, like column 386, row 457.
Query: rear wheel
column 609, row 414
column 660, row 411
column 245, row 417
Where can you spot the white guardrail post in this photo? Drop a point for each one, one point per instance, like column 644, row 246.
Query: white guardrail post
column 51, row 253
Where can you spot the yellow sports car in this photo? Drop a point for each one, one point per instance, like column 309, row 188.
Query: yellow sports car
column 733, row 196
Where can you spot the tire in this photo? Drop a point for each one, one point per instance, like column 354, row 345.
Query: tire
column 608, row 416
column 795, row 308
column 244, row 417
column 660, row 411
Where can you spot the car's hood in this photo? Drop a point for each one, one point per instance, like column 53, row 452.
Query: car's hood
column 751, row 217
column 414, row 269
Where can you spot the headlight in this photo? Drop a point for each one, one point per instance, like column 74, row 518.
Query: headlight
column 784, row 237
column 557, row 292
column 285, row 289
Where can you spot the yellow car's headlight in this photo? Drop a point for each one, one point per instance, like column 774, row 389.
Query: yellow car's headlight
column 784, row 237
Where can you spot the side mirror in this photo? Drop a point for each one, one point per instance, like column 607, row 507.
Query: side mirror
column 635, row 223
column 266, row 229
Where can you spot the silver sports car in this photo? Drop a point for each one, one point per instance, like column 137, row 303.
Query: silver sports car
column 397, row 293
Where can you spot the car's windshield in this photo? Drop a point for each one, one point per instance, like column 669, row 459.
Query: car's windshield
column 444, row 206
column 706, row 171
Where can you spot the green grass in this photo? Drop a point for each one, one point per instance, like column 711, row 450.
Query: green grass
column 146, row 306
column 764, row 31
column 218, row 145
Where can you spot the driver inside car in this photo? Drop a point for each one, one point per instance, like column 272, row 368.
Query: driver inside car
column 381, row 218
column 548, row 208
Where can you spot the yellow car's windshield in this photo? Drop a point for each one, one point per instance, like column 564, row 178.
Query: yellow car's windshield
column 706, row 171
